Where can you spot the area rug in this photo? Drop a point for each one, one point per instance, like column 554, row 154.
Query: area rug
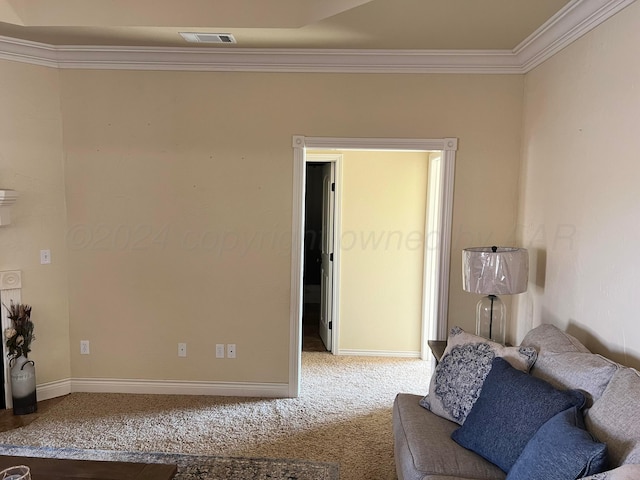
column 195, row 467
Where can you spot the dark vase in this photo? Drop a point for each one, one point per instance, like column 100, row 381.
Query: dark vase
column 23, row 385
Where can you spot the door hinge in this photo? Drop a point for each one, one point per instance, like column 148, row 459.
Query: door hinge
column 333, row 187
column 331, row 257
column 330, row 325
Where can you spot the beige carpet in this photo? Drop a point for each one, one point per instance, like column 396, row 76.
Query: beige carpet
column 343, row 415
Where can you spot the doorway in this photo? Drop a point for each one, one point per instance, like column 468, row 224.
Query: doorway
column 312, row 275
column 437, row 233
column 319, row 275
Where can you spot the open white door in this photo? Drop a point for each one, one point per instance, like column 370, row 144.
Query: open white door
column 326, row 284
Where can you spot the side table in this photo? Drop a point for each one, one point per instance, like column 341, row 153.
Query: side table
column 437, row 348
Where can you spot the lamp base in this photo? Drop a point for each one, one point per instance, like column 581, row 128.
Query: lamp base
column 491, row 319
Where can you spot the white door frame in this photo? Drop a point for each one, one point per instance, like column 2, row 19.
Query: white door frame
column 437, row 243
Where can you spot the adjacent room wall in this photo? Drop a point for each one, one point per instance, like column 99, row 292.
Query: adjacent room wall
column 580, row 198
column 32, row 163
column 179, row 192
column 384, row 197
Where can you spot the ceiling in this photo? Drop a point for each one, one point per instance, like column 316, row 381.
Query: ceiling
column 318, row 24
column 477, row 36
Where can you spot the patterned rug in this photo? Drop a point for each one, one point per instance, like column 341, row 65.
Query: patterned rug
column 195, row 467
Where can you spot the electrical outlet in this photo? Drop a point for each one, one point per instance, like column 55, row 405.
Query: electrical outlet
column 84, row 347
column 45, row 257
column 219, row 350
column 231, row 350
column 182, row 349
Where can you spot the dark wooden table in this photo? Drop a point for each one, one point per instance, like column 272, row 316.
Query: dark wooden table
column 437, row 348
column 59, row 469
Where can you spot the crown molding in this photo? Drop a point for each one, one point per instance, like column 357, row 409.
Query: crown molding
column 25, row 51
column 576, row 19
column 300, row 60
column 259, row 60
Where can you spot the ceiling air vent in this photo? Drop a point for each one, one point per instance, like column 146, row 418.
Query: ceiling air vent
column 208, row 37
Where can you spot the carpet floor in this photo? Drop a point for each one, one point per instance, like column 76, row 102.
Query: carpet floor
column 343, row 416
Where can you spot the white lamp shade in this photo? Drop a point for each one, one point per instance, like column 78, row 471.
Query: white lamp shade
column 503, row 272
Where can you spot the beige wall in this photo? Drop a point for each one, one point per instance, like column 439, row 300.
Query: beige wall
column 580, row 199
column 179, row 160
column 178, row 200
column 32, row 162
column 382, row 244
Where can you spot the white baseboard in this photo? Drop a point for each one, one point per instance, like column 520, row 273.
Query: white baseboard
column 59, row 388
column 378, row 353
column 45, row 391
column 240, row 389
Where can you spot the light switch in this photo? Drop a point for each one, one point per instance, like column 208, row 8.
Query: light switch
column 45, row 257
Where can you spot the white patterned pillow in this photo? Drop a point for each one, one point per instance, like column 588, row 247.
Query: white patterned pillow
column 458, row 378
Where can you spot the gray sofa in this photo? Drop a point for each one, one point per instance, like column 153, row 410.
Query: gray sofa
column 424, row 449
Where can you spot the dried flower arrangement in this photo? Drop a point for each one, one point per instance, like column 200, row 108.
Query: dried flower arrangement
column 20, row 335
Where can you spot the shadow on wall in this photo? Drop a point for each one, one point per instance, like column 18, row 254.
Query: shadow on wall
column 538, row 269
column 538, row 260
column 596, row 346
column 523, row 305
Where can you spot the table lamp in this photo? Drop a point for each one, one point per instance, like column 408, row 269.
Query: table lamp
column 494, row 271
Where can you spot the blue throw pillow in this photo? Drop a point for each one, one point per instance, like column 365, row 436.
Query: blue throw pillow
column 561, row 450
column 511, row 407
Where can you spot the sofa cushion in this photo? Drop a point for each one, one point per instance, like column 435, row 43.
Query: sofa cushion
column 567, row 364
column 588, row 372
column 549, row 338
column 624, row 472
column 561, row 449
column 457, row 380
column 615, row 417
column 424, row 448
column 511, row 407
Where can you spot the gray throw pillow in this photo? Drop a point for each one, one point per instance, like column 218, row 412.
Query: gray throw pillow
column 588, row 372
column 615, row 417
